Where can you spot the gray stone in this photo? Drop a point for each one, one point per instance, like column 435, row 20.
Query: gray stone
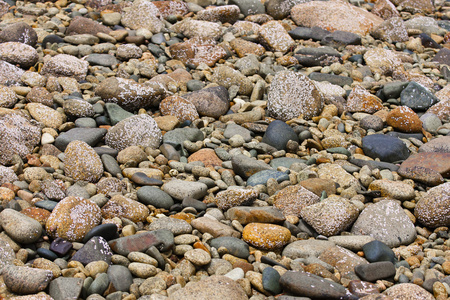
column 384, row 147
column 417, row 97
column 375, row 271
column 250, row 7
column 19, row 227
column 176, row 226
column 105, row 60
column 262, row 177
column 233, row 129
column 313, row 286
column 116, row 113
column 180, row 189
column 63, row 288
column 95, row 249
column 306, row 248
column 322, row 56
column 111, row 165
column 387, row 222
column 378, row 251
column 99, row 285
column 331, row 78
column 234, row 246
column 245, row 166
column 149, row 195
column 278, row 134
column 177, row 136
column 91, row 136
column 162, row 239
column 26, row 280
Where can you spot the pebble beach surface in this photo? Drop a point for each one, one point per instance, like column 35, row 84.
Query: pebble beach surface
column 225, row 149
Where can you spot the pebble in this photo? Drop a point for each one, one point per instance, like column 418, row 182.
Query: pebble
column 20, row 227
column 266, row 236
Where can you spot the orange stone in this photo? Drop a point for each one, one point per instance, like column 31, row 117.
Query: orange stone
column 360, row 100
column 39, row 214
column 207, row 156
column 266, row 236
column 404, row 119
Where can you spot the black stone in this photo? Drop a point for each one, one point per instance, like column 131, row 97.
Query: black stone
column 375, row 271
column 376, row 251
column 92, row 136
column 341, row 38
column 191, row 202
column 51, row 39
column 46, row 253
column 278, row 134
column 305, row 33
column 417, row 97
column 384, row 147
column 107, row 231
column 95, row 249
column 428, row 42
column 61, row 247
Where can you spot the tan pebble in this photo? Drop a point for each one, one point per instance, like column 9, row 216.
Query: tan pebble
column 142, row 258
column 439, row 290
column 96, row 267
column 142, row 270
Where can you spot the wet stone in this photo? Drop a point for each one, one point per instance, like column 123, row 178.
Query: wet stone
column 386, row 148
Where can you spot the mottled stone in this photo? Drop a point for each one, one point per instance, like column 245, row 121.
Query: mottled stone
column 65, row 65
column 214, row 227
column 334, row 16
column 360, row 100
column 245, row 215
column 143, row 14
column 179, row 107
column 410, row 291
column 387, row 222
column 122, row 207
column 293, row 199
column 211, row 102
column 330, row 216
column 292, row 95
column 433, row 209
column 72, row 218
column 381, row 60
column 404, row 119
column 25, row 280
column 266, row 236
column 393, row 189
column 82, row 162
column 138, row 130
column 235, row 197
column 276, row 37
column 20, row 227
column 226, row 77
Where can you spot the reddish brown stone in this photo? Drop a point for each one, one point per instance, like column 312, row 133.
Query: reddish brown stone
column 179, row 107
column 318, row 185
column 404, row 119
column 360, row 100
column 243, row 47
column 363, row 288
column 82, row 25
column 436, row 161
column 385, row 9
column 207, row 156
column 198, row 50
column 167, row 8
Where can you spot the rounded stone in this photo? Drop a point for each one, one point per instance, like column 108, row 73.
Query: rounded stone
column 20, row 227
column 142, row 270
column 149, row 195
column 292, row 95
column 122, row 207
column 198, row 257
column 138, row 130
column 72, row 219
column 266, row 236
column 433, row 209
column 278, row 133
column 82, row 162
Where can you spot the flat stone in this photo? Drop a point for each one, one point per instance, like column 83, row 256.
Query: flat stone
column 245, row 215
column 91, row 136
column 25, row 280
column 162, row 239
column 215, row 286
column 235, row 197
column 331, row 78
column 375, row 271
column 245, row 166
column 293, row 199
column 313, row 286
column 95, row 249
column 386, row 148
column 20, row 227
column 343, row 260
column 440, row 144
column 351, row 242
column 65, row 288
column 393, row 189
column 263, row 176
column 177, row 136
column 180, row 189
column 233, row 245
column 213, row 227
column 393, row 226
column 176, row 226
column 322, row 56
column 149, row 195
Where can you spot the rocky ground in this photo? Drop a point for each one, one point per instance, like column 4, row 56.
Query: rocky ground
column 214, row 149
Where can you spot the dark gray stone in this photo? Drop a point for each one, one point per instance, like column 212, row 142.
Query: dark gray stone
column 261, row 177
column 313, row 286
column 376, row 251
column 233, row 129
column 442, row 57
column 245, row 166
column 392, row 90
column 96, row 248
column 234, row 246
column 331, row 78
column 341, row 38
column 177, row 136
column 372, row 122
column 271, row 280
column 105, row 60
column 116, row 113
column 249, row 7
column 107, row 231
column 91, row 136
column 417, row 97
column 306, row 33
column 386, row 148
column 120, row 277
column 111, row 165
column 149, row 195
column 375, row 271
column 99, row 285
column 278, row 134
column 19, row 32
